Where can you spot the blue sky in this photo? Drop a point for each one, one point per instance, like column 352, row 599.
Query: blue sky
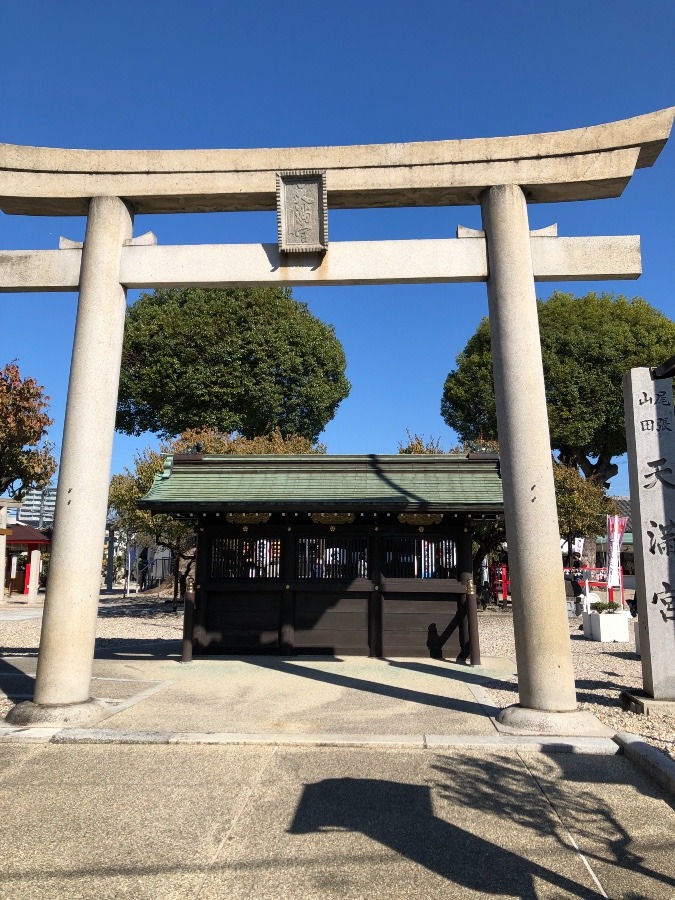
column 170, row 74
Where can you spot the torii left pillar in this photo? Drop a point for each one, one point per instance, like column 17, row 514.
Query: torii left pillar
column 65, row 662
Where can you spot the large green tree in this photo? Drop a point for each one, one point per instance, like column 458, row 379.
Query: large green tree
column 26, row 459
column 588, row 344
column 246, row 360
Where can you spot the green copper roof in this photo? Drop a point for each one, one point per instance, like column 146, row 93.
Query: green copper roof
column 450, row 482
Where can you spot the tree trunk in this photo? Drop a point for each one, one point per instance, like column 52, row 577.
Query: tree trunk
column 601, row 470
column 590, row 549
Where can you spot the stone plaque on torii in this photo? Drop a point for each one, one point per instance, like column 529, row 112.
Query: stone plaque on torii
column 502, row 175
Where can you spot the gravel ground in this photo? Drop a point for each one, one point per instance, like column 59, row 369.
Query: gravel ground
column 602, row 671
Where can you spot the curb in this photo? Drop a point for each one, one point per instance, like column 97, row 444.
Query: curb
column 651, row 761
column 491, row 742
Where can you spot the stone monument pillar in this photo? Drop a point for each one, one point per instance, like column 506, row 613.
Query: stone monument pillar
column 71, row 604
column 544, row 656
column 650, row 434
column 34, row 577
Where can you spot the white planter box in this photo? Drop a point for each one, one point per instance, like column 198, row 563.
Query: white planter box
column 607, row 627
column 586, row 622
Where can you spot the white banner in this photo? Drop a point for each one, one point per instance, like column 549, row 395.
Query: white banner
column 616, row 525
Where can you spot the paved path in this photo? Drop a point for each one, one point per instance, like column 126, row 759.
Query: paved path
column 317, row 778
column 277, row 695
column 289, row 822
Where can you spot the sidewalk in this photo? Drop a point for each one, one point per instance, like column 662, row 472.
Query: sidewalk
column 272, row 777
column 275, row 822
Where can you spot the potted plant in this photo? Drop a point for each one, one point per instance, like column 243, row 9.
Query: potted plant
column 607, row 623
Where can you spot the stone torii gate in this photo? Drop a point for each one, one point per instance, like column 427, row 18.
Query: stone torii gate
column 502, row 175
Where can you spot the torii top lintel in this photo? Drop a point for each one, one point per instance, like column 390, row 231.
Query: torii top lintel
column 579, row 164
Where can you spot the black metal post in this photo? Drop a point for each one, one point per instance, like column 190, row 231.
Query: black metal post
column 287, row 629
column 472, row 616
column 188, row 621
column 465, row 566
column 375, row 600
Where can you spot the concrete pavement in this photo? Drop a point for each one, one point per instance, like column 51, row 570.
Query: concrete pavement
column 144, row 689
column 168, row 821
column 317, row 778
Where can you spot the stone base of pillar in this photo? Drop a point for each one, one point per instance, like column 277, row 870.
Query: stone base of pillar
column 72, row 714
column 576, row 723
column 641, row 703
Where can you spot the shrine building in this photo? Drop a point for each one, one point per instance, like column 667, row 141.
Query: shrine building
column 336, row 555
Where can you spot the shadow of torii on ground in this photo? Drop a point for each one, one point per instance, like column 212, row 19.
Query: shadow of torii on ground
column 503, row 827
column 401, row 817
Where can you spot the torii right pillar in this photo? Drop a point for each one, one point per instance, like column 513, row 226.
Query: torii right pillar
column 543, row 649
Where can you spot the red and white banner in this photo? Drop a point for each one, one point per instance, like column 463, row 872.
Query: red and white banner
column 616, row 527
